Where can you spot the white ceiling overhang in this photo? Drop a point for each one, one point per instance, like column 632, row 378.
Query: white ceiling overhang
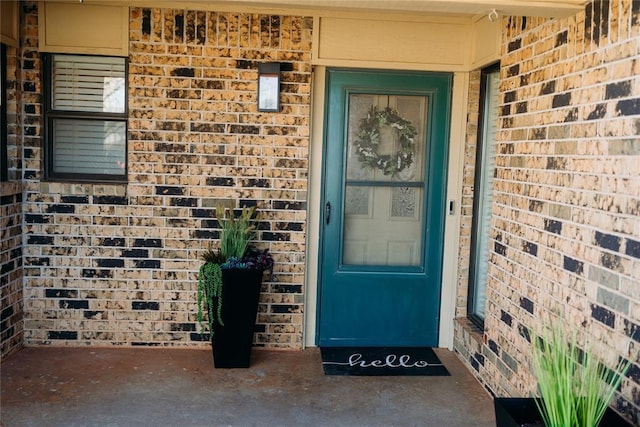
column 543, row 8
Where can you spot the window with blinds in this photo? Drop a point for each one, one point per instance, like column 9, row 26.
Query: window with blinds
column 483, row 187
column 86, row 117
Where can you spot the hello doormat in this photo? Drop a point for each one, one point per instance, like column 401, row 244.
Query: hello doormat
column 381, row 361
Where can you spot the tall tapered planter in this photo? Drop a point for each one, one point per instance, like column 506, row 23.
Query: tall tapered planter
column 232, row 341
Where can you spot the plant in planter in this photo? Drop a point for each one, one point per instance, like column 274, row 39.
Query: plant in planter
column 575, row 388
column 229, row 284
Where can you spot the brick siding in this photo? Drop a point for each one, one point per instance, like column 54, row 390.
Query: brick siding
column 566, row 197
column 117, row 264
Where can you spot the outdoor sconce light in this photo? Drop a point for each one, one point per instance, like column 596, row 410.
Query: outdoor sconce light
column 269, row 86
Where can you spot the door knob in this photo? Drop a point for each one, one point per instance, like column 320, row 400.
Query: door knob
column 327, row 212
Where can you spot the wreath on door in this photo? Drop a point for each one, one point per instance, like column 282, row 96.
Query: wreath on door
column 368, row 141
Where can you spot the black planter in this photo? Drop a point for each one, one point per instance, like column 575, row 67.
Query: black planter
column 523, row 412
column 232, row 341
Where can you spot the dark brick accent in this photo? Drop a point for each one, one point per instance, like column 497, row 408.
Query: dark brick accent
column 294, row 206
column 40, row 240
column 628, row 107
column 632, row 330
column 148, row 243
column 598, row 112
column 220, row 182
column 561, row 100
column 553, row 226
column 145, row 344
column 474, row 364
column 110, row 263
column 257, row 183
column 607, row 241
column 245, row 65
column 276, row 237
column 548, row 87
column 244, row 129
column 62, row 335
column 184, row 201
column 75, row 199
column 603, row 315
column 500, row 249
column 72, row 304
column 207, row 127
column 36, row 219
column 169, row 191
column 514, row 45
column 633, row 248
column 289, row 226
column 97, row 274
column 203, row 213
column 618, row 90
column 539, row 133
column 509, row 96
column 610, row 261
column 634, row 373
column 135, row 253
column 524, row 332
column 109, row 200
column 183, row 72
column 527, row 304
column 177, row 327
column 287, row 289
column 199, row 337
column 61, row 293
column 505, row 110
column 146, row 22
column 506, row 317
column 7, row 267
column 112, row 241
column 284, row 308
column 561, row 38
column 170, row 148
column 145, row 305
column 6, row 313
column 530, row 248
column 573, row 265
column 38, row 261
column 514, row 70
column 147, row 263
column 494, row 347
column 178, row 30
column 65, row 209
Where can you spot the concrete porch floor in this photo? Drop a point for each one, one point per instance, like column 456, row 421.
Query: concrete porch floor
column 178, row 387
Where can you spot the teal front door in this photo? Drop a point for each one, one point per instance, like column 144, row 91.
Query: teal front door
column 385, row 167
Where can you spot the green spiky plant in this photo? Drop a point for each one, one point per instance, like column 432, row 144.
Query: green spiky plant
column 235, row 237
column 575, row 388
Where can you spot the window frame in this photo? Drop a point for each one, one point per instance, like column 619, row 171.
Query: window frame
column 51, row 114
column 4, row 126
column 481, row 147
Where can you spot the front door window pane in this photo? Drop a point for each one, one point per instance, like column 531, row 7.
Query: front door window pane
column 384, row 185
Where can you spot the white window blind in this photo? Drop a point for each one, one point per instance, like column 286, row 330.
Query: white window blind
column 483, row 191
column 89, row 146
column 88, row 83
column 86, row 118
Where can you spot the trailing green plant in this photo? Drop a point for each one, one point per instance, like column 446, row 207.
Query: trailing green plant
column 235, row 251
column 575, row 388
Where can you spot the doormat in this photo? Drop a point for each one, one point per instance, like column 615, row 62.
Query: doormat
column 381, row 361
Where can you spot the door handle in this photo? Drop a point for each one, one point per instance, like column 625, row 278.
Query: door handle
column 327, row 212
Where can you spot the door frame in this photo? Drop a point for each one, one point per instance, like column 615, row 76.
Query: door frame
column 452, row 221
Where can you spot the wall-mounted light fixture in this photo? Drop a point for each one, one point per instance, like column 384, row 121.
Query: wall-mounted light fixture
column 269, row 86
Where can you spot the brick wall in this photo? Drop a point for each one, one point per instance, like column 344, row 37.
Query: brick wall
column 11, row 273
column 117, row 264
column 566, row 226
